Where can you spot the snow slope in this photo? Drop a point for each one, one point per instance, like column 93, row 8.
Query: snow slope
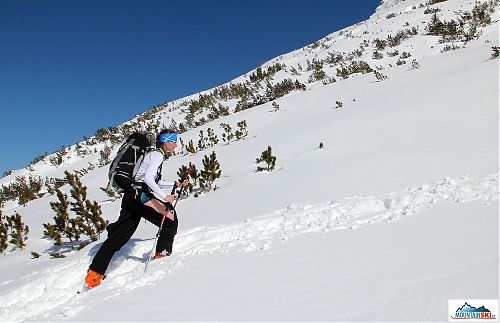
column 53, row 291
column 396, row 215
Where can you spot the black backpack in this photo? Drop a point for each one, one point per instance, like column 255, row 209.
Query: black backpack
column 127, row 161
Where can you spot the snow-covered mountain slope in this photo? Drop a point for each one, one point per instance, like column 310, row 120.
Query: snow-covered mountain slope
column 374, row 226
column 51, row 293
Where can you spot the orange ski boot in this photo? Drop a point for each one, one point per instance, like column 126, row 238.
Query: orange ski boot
column 93, row 279
column 162, row 254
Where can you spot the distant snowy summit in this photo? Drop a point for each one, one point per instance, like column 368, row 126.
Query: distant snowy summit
column 386, row 6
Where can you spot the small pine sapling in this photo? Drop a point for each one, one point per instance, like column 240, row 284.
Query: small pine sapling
column 35, row 255
column 58, row 158
column 28, row 189
column 89, row 220
column 495, row 52
column 211, row 171
column 202, row 142
column 19, row 231
column 3, row 233
column 182, row 147
column 212, row 137
column 377, row 55
column 62, row 223
column 190, row 148
column 380, row 77
column 268, row 158
column 194, row 175
column 228, row 135
column 105, row 156
column 57, row 255
column 182, row 174
column 242, row 131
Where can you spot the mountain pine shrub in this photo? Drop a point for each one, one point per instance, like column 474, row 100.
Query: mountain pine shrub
column 379, row 44
column 190, row 148
column 242, row 131
column 495, row 52
column 57, row 255
column 211, row 171
column 353, row 68
column 260, row 75
column 88, row 220
column 334, row 58
column 53, row 184
column 18, row 230
column 431, row 11
column 228, row 135
column 193, row 177
column 394, row 53
column 448, row 48
column 110, row 193
column 433, row 2
column 212, row 137
column 202, row 142
column 105, row 154
column 380, row 77
column 4, row 233
column 466, row 27
column 405, row 55
column 400, row 62
column 268, row 159
column 58, row 158
column 377, row 55
column 317, row 75
column 24, row 190
column 39, row 158
column 14, row 227
column 63, row 225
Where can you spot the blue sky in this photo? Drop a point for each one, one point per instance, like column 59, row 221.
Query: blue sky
column 68, row 68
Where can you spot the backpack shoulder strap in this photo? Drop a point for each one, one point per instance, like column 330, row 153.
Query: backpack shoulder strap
column 165, row 157
column 164, row 153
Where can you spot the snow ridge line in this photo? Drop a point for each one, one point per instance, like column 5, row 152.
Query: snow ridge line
column 52, row 293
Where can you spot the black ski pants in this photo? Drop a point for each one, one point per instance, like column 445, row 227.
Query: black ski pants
column 120, row 232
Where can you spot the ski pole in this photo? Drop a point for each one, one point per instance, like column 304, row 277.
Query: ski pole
column 165, row 215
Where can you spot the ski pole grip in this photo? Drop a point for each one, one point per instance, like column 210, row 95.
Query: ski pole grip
column 188, row 171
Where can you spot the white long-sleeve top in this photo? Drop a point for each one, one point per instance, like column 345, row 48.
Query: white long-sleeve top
column 149, row 169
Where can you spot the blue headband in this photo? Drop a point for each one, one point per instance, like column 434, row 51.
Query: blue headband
column 168, row 137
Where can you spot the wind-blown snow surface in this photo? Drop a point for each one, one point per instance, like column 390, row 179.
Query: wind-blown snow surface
column 322, row 237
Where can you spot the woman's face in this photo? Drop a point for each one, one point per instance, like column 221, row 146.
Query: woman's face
column 169, row 146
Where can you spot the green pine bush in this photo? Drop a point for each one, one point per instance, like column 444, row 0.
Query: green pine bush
column 267, row 158
column 211, row 171
column 87, row 222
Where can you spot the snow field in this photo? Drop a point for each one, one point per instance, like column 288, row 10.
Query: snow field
column 52, row 292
